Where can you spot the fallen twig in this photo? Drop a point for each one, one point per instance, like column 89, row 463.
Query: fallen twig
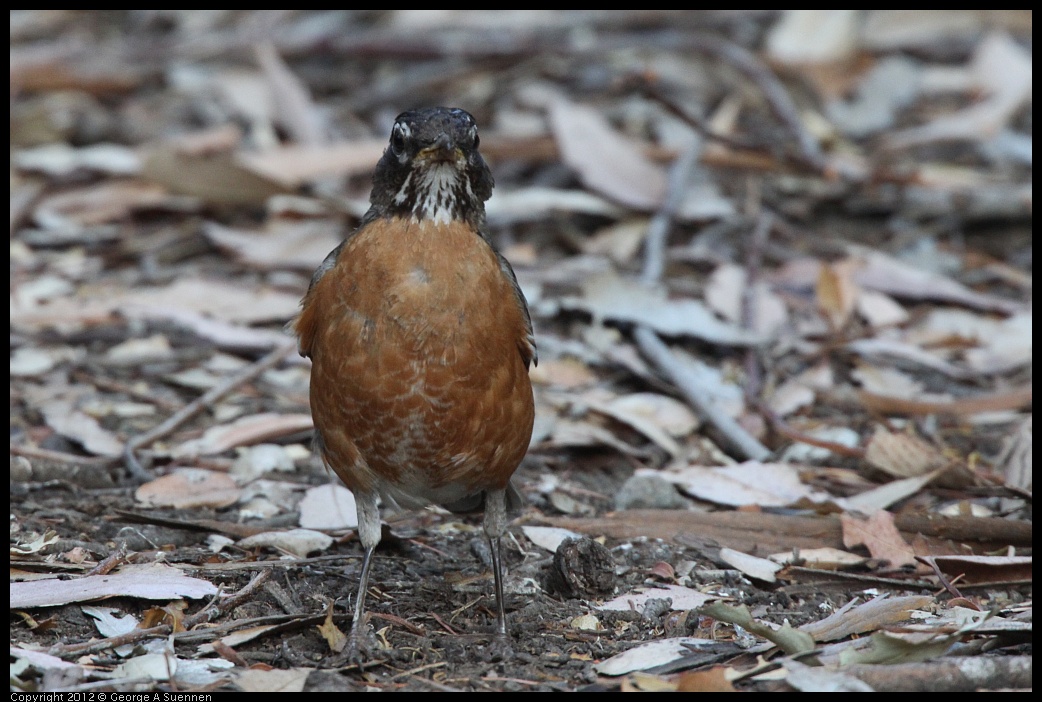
column 191, row 409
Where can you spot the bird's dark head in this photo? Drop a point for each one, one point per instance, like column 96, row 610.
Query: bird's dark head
column 431, row 170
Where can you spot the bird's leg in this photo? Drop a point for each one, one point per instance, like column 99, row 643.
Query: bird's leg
column 495, row 525
column 369, row 535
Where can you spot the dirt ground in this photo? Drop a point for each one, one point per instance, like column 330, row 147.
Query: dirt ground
column 431, row 598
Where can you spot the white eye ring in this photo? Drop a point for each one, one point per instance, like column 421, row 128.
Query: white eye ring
column 399, row 133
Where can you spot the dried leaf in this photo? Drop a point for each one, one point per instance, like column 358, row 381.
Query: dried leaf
column 902, row 455
column 886, row 495
column 293, row 166
column 807, row 678
column 605, row 160
column 273, row 680
column 753, row 566
column 651, row 655
column 253, row 429
column 983, row 569
column 294, row 542
column 217, row 178
column 73, row 424
column 535, row 203
column 1002, row 70
column 61, row 160
column 609, row 297
column 102, row 203
column 335, row 638
column 188, row 488
column 879, row 612
column 714, row 679
column 877, row 271
column 548, row 538
column 562, row 373
column 154, row 581
column 1015, row 460
column 813, row 36
column 219, row 299
column 786, row 638
column 290, row 97
column 670, row 415
column 879, row 535
column 749, row 483
column 724, row 293
column 826, row 558
column 799, row 391
column 836, row 292
column 328, row 507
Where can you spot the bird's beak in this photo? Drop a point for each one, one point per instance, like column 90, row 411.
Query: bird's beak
column 443, row 150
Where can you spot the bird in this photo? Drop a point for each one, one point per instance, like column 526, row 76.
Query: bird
column 421, row 340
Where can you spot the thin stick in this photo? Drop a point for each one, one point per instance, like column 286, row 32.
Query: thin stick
column 774, row 92
column 61, row 457
column 651, row 346
column 196, row 406
column 744, row 443
column 753, row 261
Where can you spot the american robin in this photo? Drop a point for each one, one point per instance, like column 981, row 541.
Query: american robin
column 421, row 340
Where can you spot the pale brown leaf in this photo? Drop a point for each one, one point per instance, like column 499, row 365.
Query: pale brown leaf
column 902, row 455
column 606, row 161
column 188, row 488
column 879, row 535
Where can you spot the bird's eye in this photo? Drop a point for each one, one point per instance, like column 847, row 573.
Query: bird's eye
column 397, row 140
column 477, row 139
